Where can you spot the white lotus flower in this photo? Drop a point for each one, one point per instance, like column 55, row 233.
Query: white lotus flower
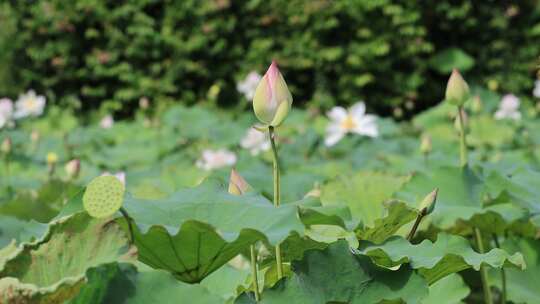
column 107, row 122
column 508, row 108
column 249, row 84
column 255, row 141
column 215, row 159
column 120, row 175
column 536, row 91
column 29, row 104
column 6, row 111
column 355, row 120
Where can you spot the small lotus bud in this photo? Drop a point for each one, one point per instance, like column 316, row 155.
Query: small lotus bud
column 425, row 144
column 476, row 104
column 397, row 112
column 144, row 103
column 428, row 203
column 237, row 184
column 34, row 136
column 6, row 146
column 457, row 90
column 73, row 167
column 272, row 101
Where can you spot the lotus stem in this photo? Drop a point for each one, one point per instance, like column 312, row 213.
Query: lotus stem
column 462, row 140
column 254, row 273
column 415, row 226
column 128, row 220
column 503, row 273
column 276, row 194
column 488, row 298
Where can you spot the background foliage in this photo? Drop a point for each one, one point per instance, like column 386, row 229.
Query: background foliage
column 86, row 53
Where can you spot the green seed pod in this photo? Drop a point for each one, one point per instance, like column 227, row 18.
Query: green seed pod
column 103, row 196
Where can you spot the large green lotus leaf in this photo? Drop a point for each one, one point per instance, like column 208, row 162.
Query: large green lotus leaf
column 121, row 283
column 448, row 290
column 12, row 228
column 522, row 285
column 53, row 269
column 397, row 215
column 451, row 58
column 334, row 275
column 364, row 193
column 447, row 255
column 522, row 186
column 460, row 193
column 196, row 230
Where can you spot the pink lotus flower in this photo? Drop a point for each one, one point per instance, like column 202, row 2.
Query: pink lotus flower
column 272, row 101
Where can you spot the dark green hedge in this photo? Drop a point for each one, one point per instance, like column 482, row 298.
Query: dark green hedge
column 92, row 52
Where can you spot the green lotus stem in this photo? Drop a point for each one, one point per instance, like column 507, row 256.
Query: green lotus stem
column 503, row 273
column 276, row 194
column 128, row 220
column 483, row 271
column 254, row 273
column 462, row 140
column 415, row 226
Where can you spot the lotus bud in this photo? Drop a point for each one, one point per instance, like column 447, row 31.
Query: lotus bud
column 457, row 90
column 428, row 203
column 476, row 104
column 34, row 136
column 237, row 184
column 6, row 146
column 425, row 144
column 73, row 168
column 272, row 101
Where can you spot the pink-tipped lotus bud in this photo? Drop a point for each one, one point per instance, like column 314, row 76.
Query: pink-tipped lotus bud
column 272, row 101
column 73, row 168
column 6, row 146
column 457, row 90
column 428, row 203
column 237, row 184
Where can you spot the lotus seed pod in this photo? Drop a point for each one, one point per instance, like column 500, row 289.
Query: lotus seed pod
column 428, row 203
column 237, row 184
column 103, row 196
column 273, row 100
column 457, row 90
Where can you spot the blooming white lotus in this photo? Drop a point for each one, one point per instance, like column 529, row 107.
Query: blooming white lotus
column 215, row 159
column 508, row 108
column 355, row 120
column 249, row 84
column 6, row 111
column 536, row 91
column 255, row 141
column 29, row 104
column 107, row 122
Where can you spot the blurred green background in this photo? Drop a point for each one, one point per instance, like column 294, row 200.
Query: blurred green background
column 90, row 54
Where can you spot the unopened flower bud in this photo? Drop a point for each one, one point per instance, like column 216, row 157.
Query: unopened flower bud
column 144, row 103
column 237, row 184
column 425, row 144
column 272, row 101
column 428, row 203
column 73, row 168
column 34, row 136
column 6, row 146
column 476, row 104
column 465, row 121
column 457, row 90
column 52, row 158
